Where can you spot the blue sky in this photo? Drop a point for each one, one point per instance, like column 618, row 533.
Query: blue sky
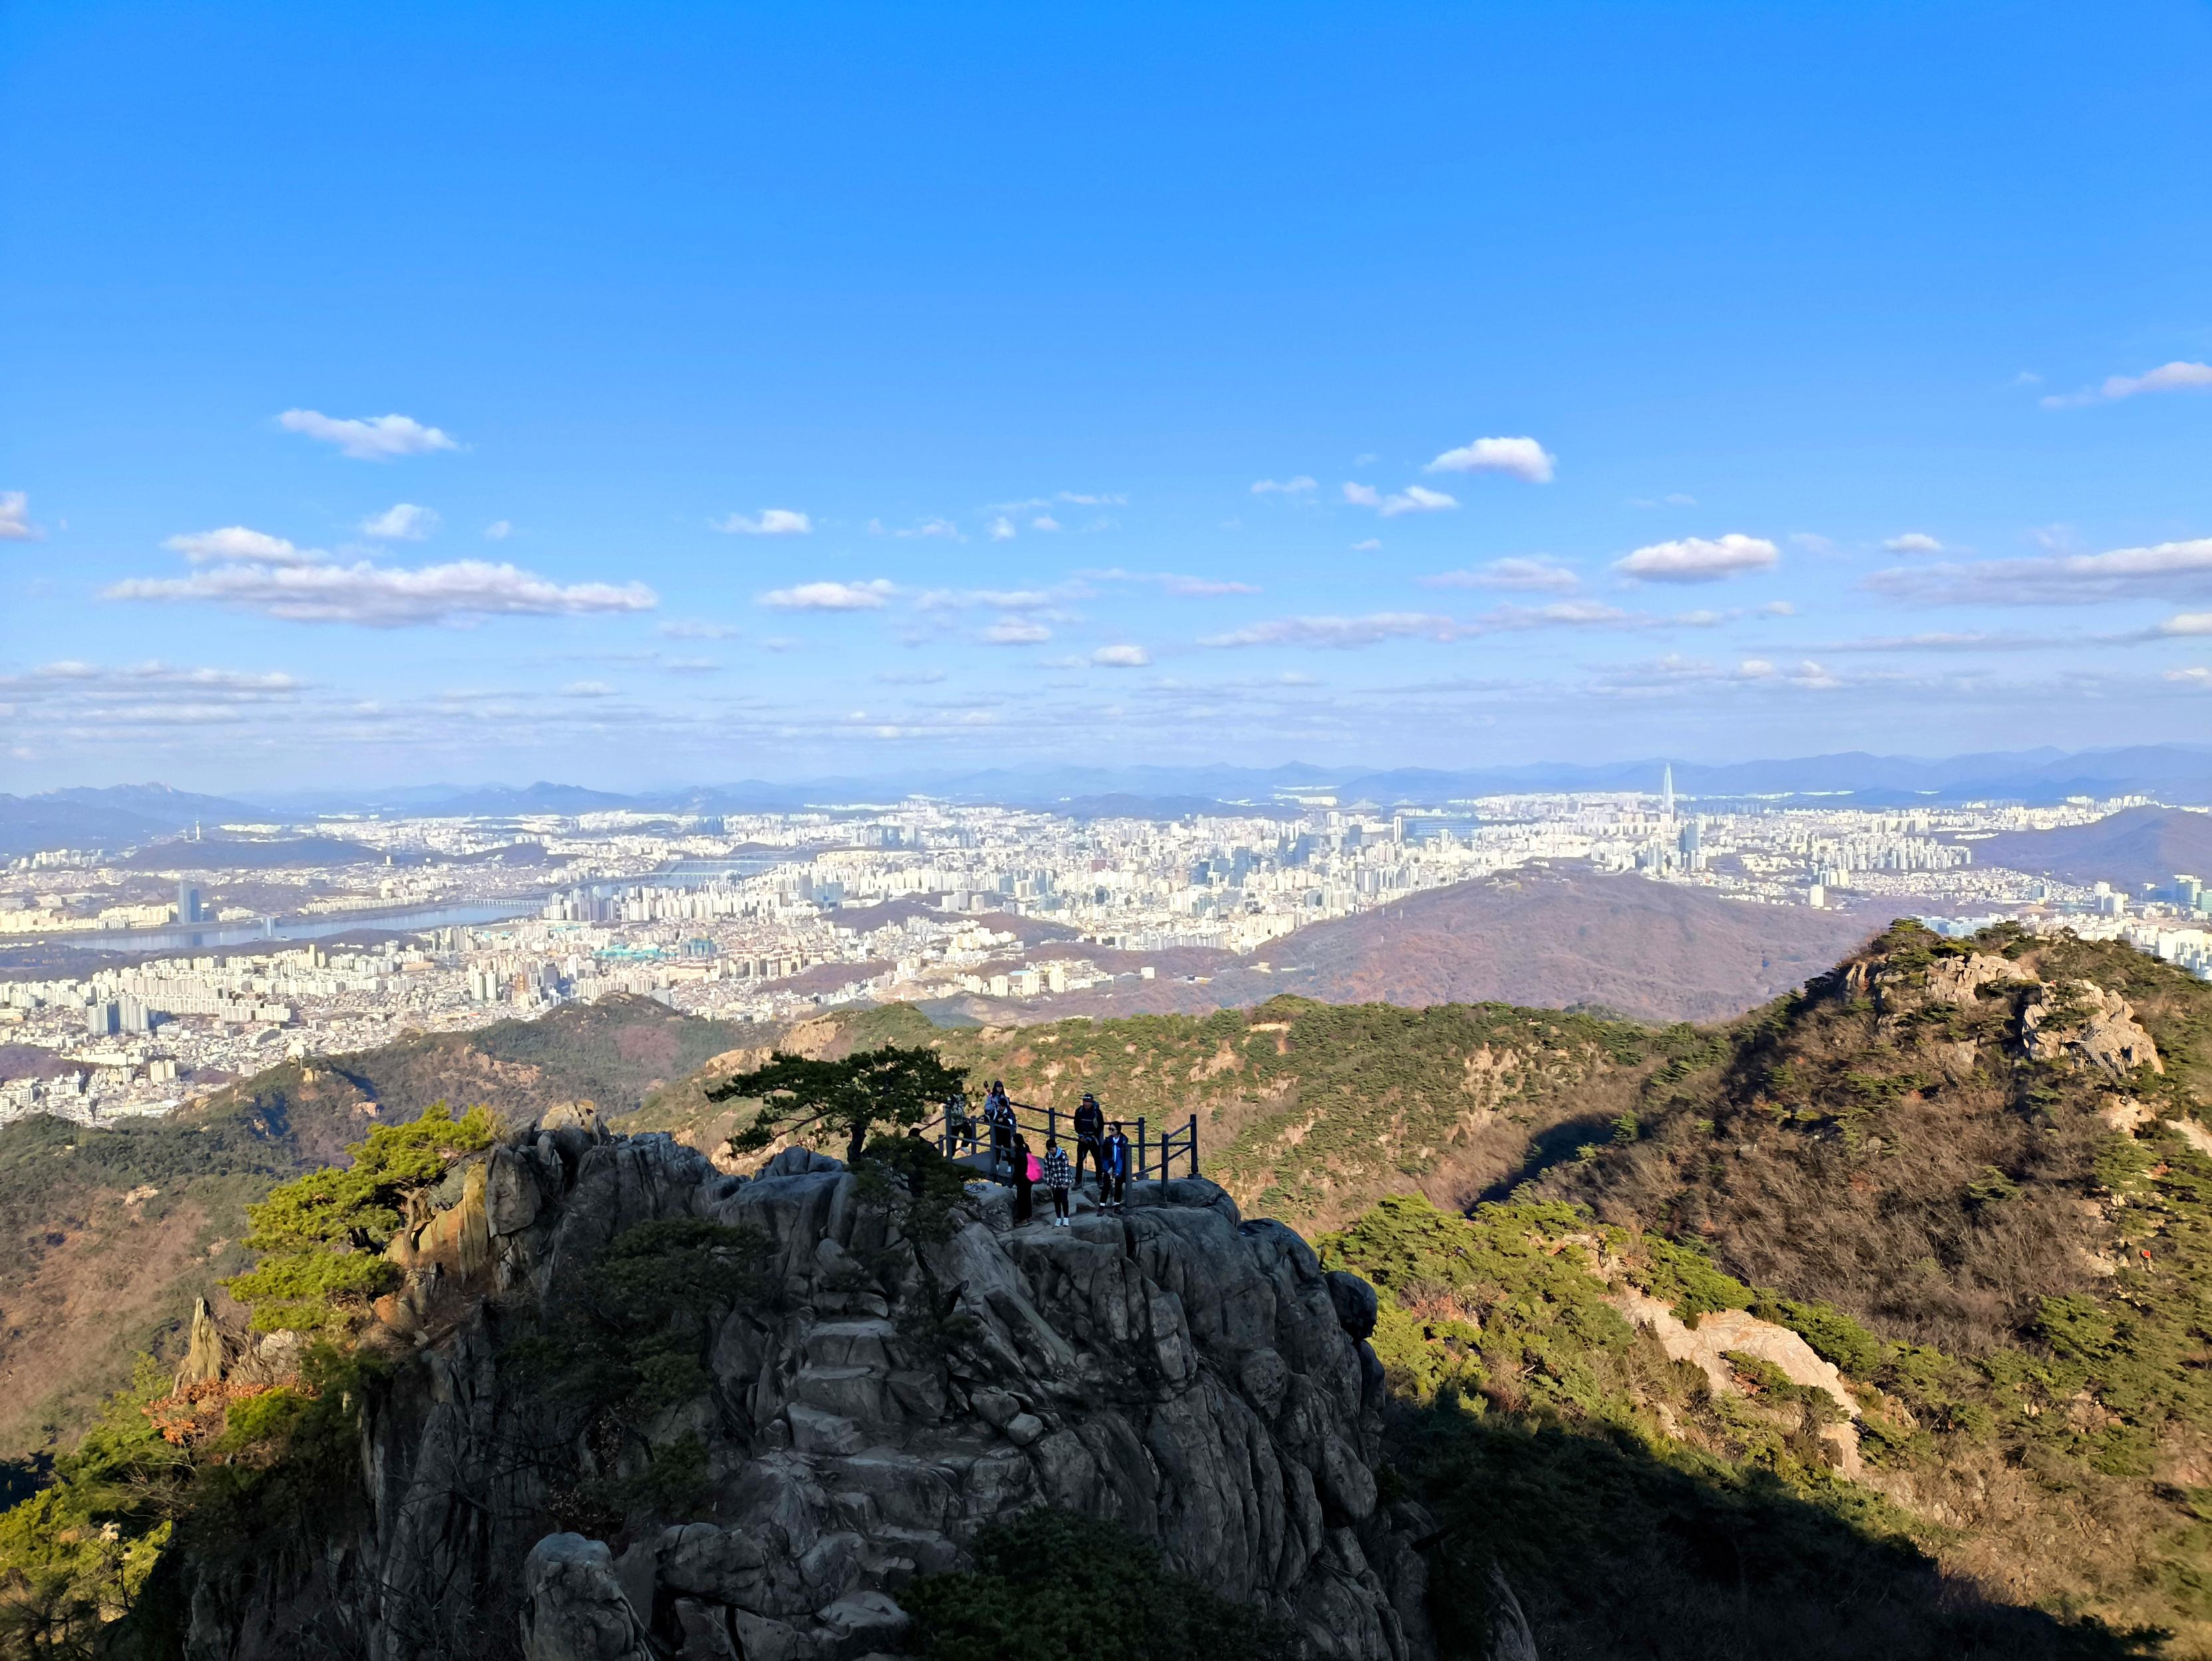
column 790, row 390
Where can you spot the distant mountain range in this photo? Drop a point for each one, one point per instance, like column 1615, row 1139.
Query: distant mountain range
column 121, row 816
column 126, row 815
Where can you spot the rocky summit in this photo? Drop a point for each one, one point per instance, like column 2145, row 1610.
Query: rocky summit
column 894, row 1379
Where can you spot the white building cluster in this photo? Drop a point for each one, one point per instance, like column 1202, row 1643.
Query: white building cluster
column 764, row 916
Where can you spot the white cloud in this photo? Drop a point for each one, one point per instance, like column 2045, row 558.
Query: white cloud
column 693, row 630
column 1044, row 522
column 1778, row 608
column 1111, row 500
column 1366, row 545
column 2160, row 571
column 235, row 541
column 1697, row 559
column 1002, row 529
column 1526, row 575
column 1017, row 631
column 2174, row 377
column 1813, row 542
column 1413, row 499
column 386, row 597
column 831, row 596
column 1913, row 542
column 1340, row 632
column 1298, row 486
column 1122, row 657
column 932, row 528
column 1523, row 457
column 403, row 521
column 16, row 518
column 587, row 689
column 1205, row 587
column 768, row 522
column 1680, row 499
column 909, row 677
column 2190, row 677
column 498, row 531
column 693, row 666
column 2188, row 623
column 377, row 438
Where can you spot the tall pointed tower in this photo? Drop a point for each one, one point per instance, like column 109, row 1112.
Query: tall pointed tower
column 1667, row 792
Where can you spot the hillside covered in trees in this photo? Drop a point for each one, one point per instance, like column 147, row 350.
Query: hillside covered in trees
column 1873, row 1324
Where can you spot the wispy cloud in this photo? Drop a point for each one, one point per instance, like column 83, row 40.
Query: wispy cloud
column 1413, row 499
column 1340, row 632
column 498, row 531
column 1528, row 576
column 869, row 596
column 1017, row 631
column 587, row 689
column 693, row 629
column 2175, row 377
column 1002, row 529
column 768, row 522
column 1172, row 582
column 236, row 542
column 1299, row 486
column 2163, row 570
column 386, row 597
column 16, row 518
column 373, row 438
column 1120, row 657
column 1520, row 457
column 1697, row 559
column 403, row 521
column 1913, row 542
column 2189, row 622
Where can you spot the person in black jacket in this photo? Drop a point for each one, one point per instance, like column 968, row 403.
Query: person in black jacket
column 1090, row 1138
column 999, row 1114
column 1023, row 1198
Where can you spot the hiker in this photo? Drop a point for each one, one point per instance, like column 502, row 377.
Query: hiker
column 1115, row 1168
column 999, row 1114
column 1059, row 1177
column 1090, row 1138
column 1026, row 1175
column 959, row 1127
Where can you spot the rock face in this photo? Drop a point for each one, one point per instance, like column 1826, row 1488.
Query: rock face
column 1721, row 1332
column 2078, row 1022
column 1193, row 1374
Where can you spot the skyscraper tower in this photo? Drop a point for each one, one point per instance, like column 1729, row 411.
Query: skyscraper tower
column 1667, row 792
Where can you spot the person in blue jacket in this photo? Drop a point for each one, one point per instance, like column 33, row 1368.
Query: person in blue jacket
column 1114, row 1168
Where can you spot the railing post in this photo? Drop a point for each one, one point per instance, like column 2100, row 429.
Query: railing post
column 1193, row 1145
column 1051, row 1123
column 1140, row 1149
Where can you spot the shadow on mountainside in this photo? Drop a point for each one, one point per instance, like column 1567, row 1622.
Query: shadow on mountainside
column 1613, row 1550
column 1553, row 1145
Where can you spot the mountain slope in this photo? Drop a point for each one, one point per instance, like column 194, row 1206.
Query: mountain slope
column 113, row 1232
column 2136, row 846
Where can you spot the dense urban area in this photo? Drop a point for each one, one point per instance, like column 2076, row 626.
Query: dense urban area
column 174, row 967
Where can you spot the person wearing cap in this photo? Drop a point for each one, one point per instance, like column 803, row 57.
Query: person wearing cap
column 1090, row 1138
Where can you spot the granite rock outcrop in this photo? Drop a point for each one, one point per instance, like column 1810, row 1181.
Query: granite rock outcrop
column 896, row 1383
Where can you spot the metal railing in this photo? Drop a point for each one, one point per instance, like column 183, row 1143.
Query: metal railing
column 1153, row 1158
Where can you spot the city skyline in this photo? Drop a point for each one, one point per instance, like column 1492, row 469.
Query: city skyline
column 786, row 396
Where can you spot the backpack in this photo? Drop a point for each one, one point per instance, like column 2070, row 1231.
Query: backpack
column 1035, row 1169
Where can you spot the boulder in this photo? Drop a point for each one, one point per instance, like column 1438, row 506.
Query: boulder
column 574, row 1608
